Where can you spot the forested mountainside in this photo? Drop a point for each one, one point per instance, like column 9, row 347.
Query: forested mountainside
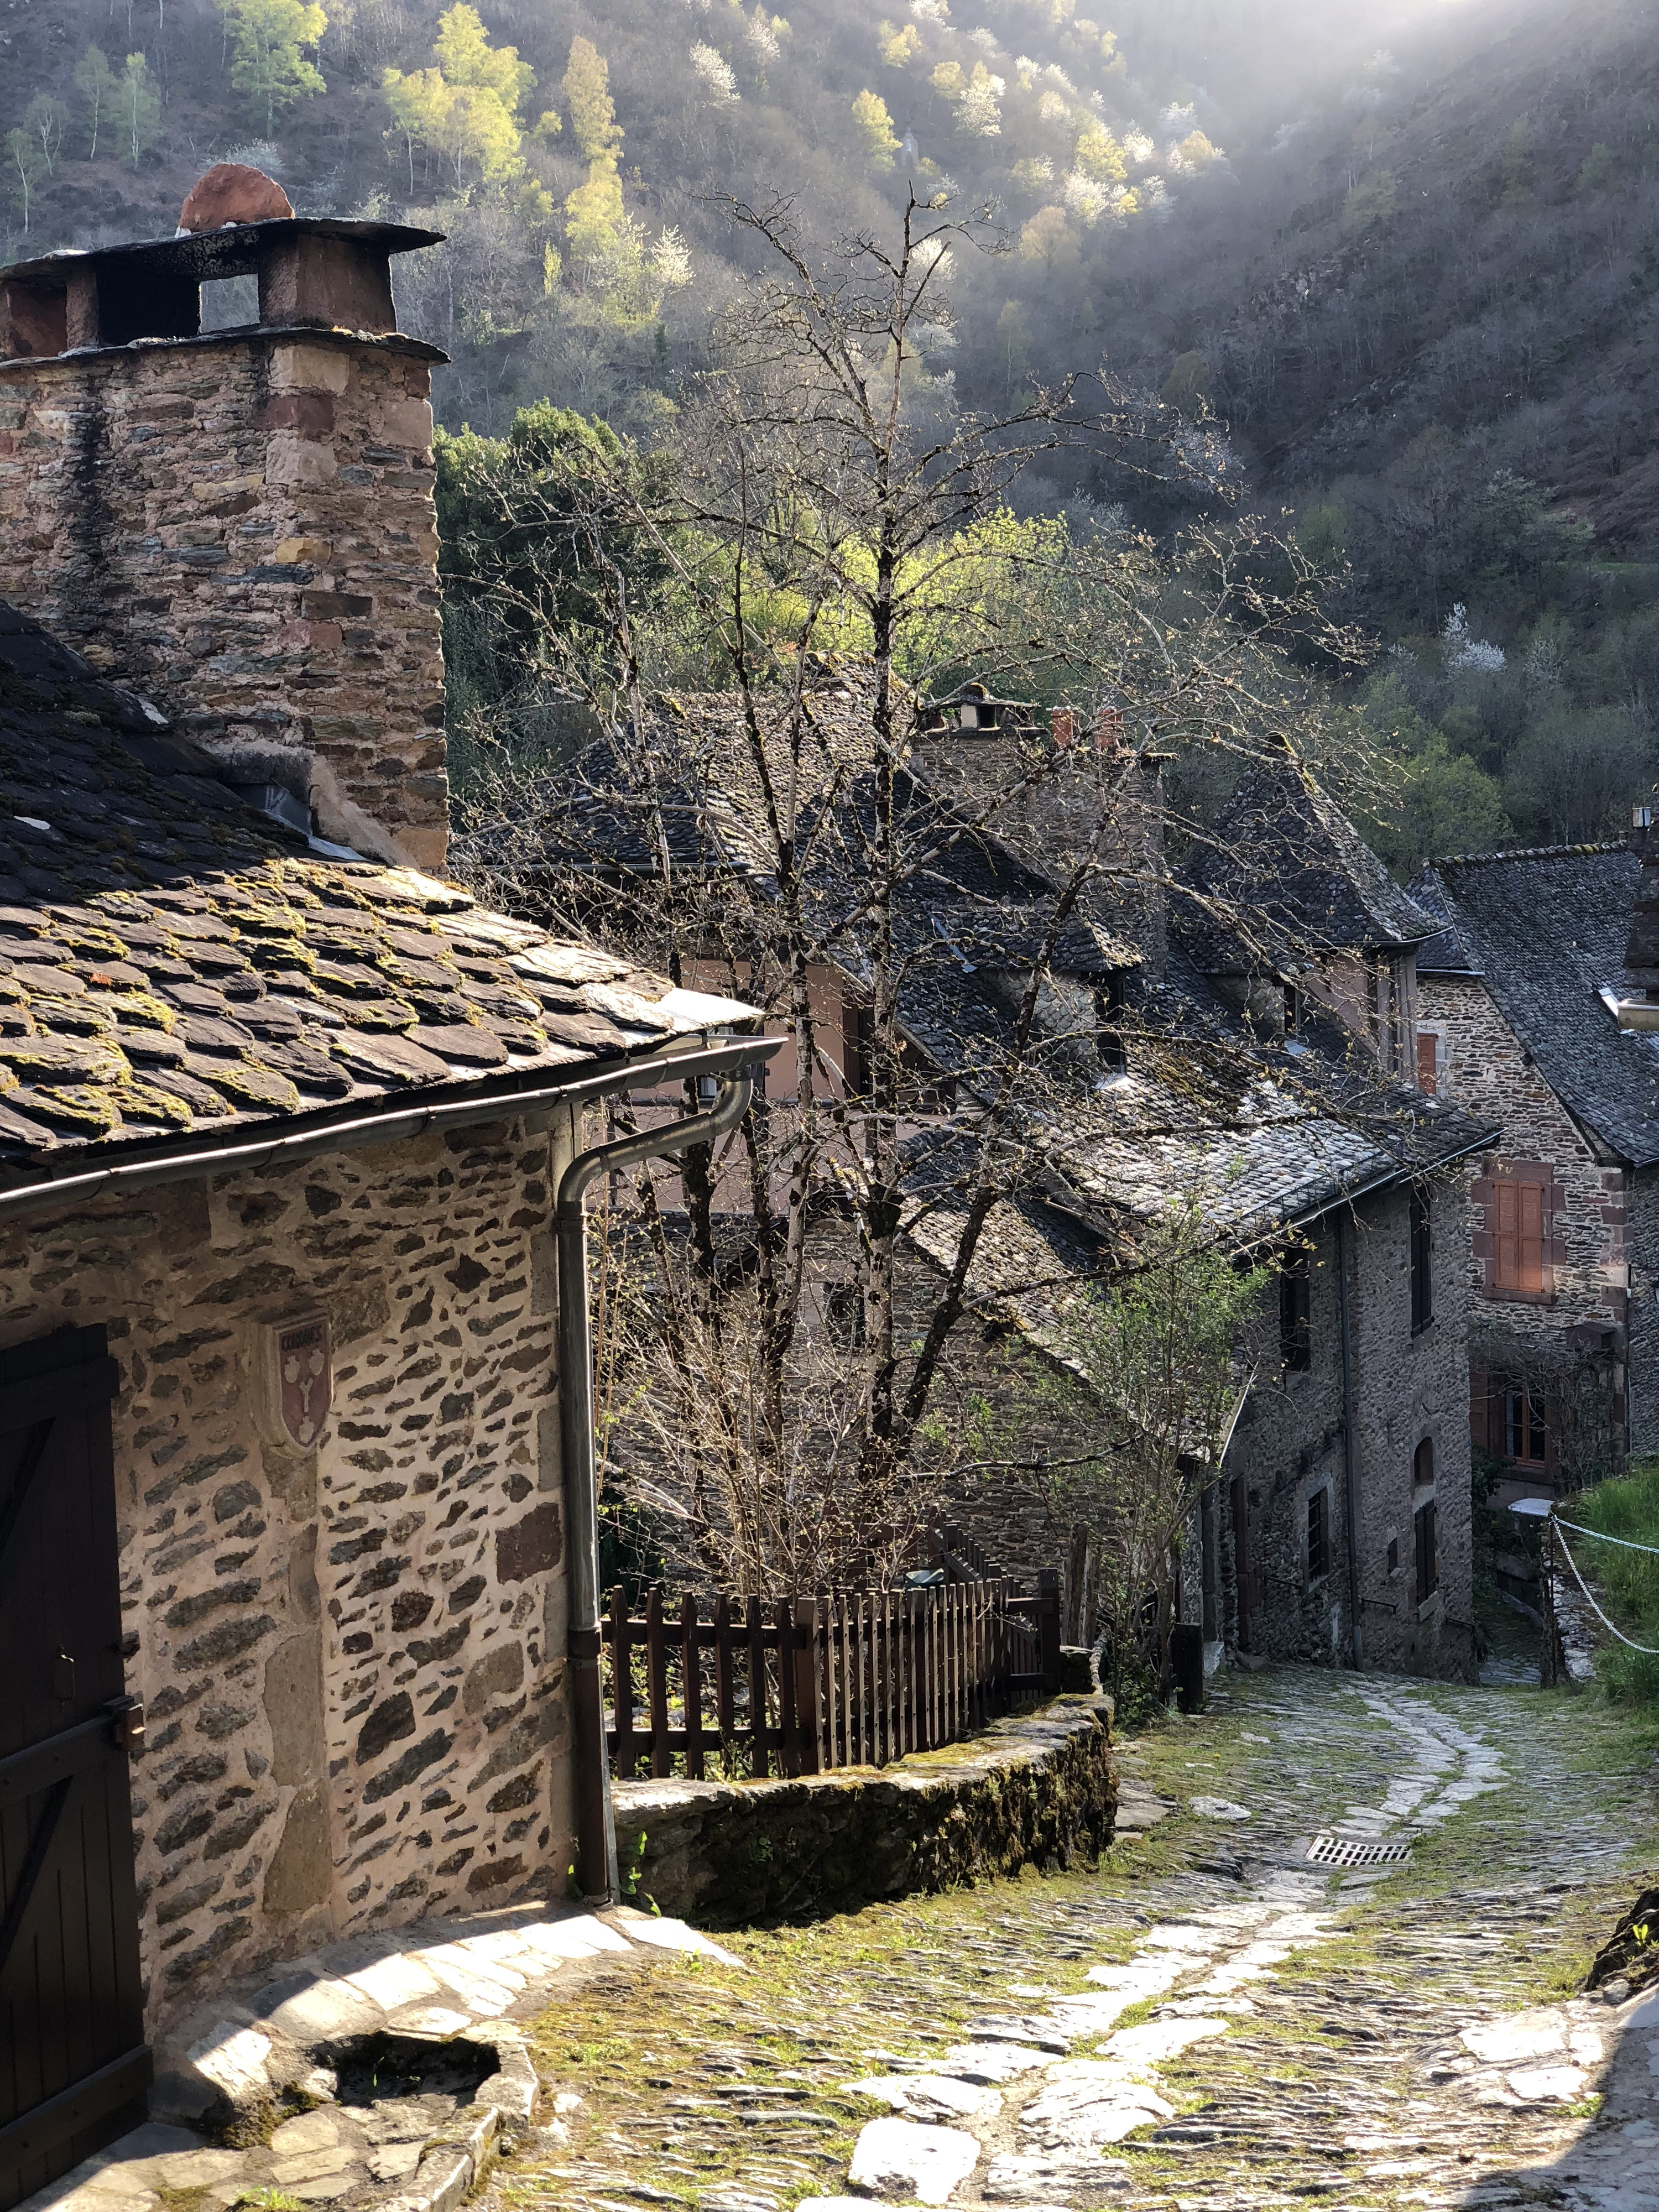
column 1404, row 255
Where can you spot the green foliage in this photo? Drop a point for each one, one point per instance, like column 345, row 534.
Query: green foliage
column 1627, row 1583
column 466, row 108
column 136, row 109
column 875, row 129
column 267, row 61
column 45, row 119
column 94, row 81
column 586, row 89
column 529, row 527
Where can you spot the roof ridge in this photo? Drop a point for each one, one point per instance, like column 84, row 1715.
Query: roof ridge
column 1528, row 853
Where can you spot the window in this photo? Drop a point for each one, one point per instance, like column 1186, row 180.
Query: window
column 1422, row 1465
column 1422, row 1271
column 1293, row 1010
column 1517, row 1235
column 1394, row 1555
column 1295, row 1313
column 1428, row 1562
column 1108, row 1013
column 843, row 1316
column 1428, row 1062
column 1319, row 1535
column 1525, row 1437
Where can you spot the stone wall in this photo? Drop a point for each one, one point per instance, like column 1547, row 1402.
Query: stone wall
column 353, row 1656
column 1406, row 1389
column 242, row 528
column 1038, row 1791
column 1596, row 1237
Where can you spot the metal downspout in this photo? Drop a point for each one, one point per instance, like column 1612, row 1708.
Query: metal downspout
column 596, row 1833
column 1350, row 1479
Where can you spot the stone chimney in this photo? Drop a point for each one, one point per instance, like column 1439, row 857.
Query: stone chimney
column 975, row 746
column 239, row 522
column 1641, row 1009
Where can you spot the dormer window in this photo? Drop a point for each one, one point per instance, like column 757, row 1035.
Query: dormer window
column 1109, row 1017
column 1293, row 1010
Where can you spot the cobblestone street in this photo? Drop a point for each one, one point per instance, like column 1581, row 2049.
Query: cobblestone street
column 1208, row 2021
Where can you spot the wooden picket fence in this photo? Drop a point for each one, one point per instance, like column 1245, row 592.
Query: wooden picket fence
column 802, row 1687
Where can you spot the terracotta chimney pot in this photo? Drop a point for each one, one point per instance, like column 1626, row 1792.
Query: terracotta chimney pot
column 230, row 191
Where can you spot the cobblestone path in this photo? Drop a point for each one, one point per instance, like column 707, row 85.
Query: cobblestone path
column 1206, row 2022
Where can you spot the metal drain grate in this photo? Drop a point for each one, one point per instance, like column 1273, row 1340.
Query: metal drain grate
column 1351, row 1851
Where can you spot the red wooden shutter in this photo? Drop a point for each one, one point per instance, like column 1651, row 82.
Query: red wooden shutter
column 1427, row 1074
column 1506, row 1222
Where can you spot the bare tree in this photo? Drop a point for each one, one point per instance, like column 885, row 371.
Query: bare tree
column 759, row 629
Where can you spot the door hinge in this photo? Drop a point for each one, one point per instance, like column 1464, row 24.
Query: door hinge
column 127, row 1721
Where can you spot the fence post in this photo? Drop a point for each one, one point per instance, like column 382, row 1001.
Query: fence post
column 691, row 1685
column 807, row 1714
column 656, row 1677
column 621, row 1685
column 756, row 1634
column 1047, row 1611
column 789, row 1747
column 725, row 1713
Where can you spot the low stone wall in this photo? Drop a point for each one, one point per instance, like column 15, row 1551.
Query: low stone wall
column 1038, row 1791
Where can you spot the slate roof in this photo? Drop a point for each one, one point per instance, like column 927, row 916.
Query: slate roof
column 172, row 961
column 1546, row 930
column 1284, row 855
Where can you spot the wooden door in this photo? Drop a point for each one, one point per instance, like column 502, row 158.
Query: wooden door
column 73, row 2062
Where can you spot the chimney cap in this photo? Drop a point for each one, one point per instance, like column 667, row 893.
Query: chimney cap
column 232, row 192
column 233, row 251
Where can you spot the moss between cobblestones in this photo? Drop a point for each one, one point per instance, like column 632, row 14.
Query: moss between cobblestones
column 1342, row 2032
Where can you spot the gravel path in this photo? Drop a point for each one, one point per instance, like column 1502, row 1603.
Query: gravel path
column 1209, row 2021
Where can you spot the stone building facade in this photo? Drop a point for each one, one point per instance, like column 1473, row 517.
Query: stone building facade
column 1520, row 995
column 351, row 1655
column 283, row 1121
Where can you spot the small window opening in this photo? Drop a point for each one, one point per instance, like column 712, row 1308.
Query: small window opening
column 1292, row 1010
column 1421, row 1263
column 843, row 1316
column 1108, row 1035
column 1394, row 1555
column 1428, row 1558
column 229, row 302
column 1319, row 1535
column 1295, row 1313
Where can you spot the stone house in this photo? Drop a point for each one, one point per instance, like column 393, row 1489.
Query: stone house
column 1535, row 996
column 284, row 1523
column 1263, row 1070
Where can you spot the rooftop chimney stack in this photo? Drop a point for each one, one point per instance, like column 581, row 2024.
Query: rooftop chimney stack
column 239, row 522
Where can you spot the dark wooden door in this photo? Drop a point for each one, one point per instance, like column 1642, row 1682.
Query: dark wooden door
column 73, row 2063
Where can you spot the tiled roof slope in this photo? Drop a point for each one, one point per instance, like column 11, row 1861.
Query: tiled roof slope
column 1546, row 930
column 172, row 961
column 1284, row 854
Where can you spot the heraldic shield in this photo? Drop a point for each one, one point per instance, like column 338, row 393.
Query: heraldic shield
column 304, row 1378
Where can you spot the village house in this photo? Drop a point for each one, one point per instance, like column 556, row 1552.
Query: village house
column 1264, row 1073
column 1537, row 1011
column 288, row 1528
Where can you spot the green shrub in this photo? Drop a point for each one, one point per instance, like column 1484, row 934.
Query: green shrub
column 1627, row 1583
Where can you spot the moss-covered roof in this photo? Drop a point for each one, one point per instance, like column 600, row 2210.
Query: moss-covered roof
column 174, row 960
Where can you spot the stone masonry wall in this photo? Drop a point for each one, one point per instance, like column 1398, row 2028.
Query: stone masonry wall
column 352, row 1658
column 1287, row 1445
column 242, row 528
column 1036, row 1790
column 1594, row 1246
column 1404, row 1388
column 1408, row 1389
